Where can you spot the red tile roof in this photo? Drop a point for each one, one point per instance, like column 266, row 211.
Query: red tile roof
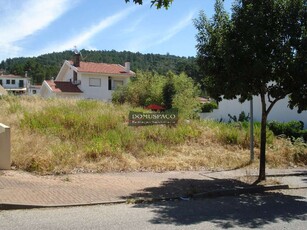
column 91, row 67
column 63, row 87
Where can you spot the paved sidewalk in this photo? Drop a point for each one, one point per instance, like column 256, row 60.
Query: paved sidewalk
column 21, row 188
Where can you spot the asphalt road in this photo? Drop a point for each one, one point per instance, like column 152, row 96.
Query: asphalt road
column 280, row 210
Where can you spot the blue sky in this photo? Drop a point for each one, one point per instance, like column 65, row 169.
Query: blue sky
column 34, row 27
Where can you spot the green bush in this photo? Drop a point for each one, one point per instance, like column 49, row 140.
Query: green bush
column 176, row 91
column 242, row 117
column 209, row 107
column 238, row 133
column 291, row 129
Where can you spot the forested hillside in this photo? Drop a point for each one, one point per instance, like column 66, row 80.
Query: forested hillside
column 47, row 66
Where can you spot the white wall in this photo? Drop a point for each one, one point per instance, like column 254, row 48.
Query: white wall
column 34, row 90
column 45, row 91
column 280, row 112
column 94, row 92
column 69, row 75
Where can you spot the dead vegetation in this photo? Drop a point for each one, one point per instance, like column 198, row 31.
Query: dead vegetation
column 64, row 136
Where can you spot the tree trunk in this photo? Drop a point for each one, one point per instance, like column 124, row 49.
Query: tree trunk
column 262, row 140
column 262, row 147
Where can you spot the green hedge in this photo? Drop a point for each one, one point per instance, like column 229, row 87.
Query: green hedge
column 209, row 107
column 292, row 129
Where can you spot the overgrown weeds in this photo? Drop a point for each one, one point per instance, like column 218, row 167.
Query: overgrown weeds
column 60, row 135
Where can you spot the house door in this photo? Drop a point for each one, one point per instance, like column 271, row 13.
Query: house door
column 21, row 84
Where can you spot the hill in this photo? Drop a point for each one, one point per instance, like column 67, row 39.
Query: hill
column 47, row 66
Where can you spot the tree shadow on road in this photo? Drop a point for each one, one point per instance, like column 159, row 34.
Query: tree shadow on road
column 249, row 210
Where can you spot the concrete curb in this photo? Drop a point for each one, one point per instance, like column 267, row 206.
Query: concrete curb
column 11, row 206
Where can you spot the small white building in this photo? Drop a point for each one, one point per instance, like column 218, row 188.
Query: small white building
column 14, row 83
column 280, row 112
column 87, row 80
column 34, row 89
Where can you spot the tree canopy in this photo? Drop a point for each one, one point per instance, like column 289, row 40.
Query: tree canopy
column 48, row 65
column 157, row 3
column 170, row 90
column 259, row 50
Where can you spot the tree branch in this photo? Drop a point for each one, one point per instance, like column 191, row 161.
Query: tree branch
column 273, row 103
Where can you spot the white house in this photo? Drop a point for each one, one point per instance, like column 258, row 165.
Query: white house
column 14, row 83
column 34, row 89
column 87, row 80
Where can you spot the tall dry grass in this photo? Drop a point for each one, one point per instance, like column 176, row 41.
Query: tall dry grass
column 65, row 135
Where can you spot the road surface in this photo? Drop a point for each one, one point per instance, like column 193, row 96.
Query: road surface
column 280, row 210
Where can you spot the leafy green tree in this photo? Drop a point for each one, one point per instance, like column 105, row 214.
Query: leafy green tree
column 150, row 88
column 260, row 50
column 186, row 96
column 52, row 62
column 145, row 89
column 157, row 3
column 168, row 92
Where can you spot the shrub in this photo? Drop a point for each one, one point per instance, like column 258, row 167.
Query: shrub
column 242, row 117
column 177, row 91
column 209, row 107
column 144, row 89
column 292, row 129
column 237, row 133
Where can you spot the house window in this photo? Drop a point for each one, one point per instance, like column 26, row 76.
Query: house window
column 117, row 83
column 8, row 81
column 0, row 81
column 13, row 82
column 95, row 82
column 75, row 77
column 34, row 91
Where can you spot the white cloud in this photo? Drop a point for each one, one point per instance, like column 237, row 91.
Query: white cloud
column 20, row 19
column 186, row 21
column 83, row 38
column 133, row 26
column 149, row 40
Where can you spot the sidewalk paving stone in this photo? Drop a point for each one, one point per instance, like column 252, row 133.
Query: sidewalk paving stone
column 22, row 188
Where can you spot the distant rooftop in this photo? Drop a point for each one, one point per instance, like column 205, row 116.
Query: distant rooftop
column 12, row 76
column 92, row 67
column 63, row 87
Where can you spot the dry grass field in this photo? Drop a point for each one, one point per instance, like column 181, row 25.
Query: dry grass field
column 65, row 135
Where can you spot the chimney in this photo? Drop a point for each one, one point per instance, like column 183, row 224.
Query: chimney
column 127, row 67
column 26, row 73
column 77, row 60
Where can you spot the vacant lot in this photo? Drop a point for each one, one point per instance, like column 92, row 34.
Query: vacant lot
column 64, row 135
